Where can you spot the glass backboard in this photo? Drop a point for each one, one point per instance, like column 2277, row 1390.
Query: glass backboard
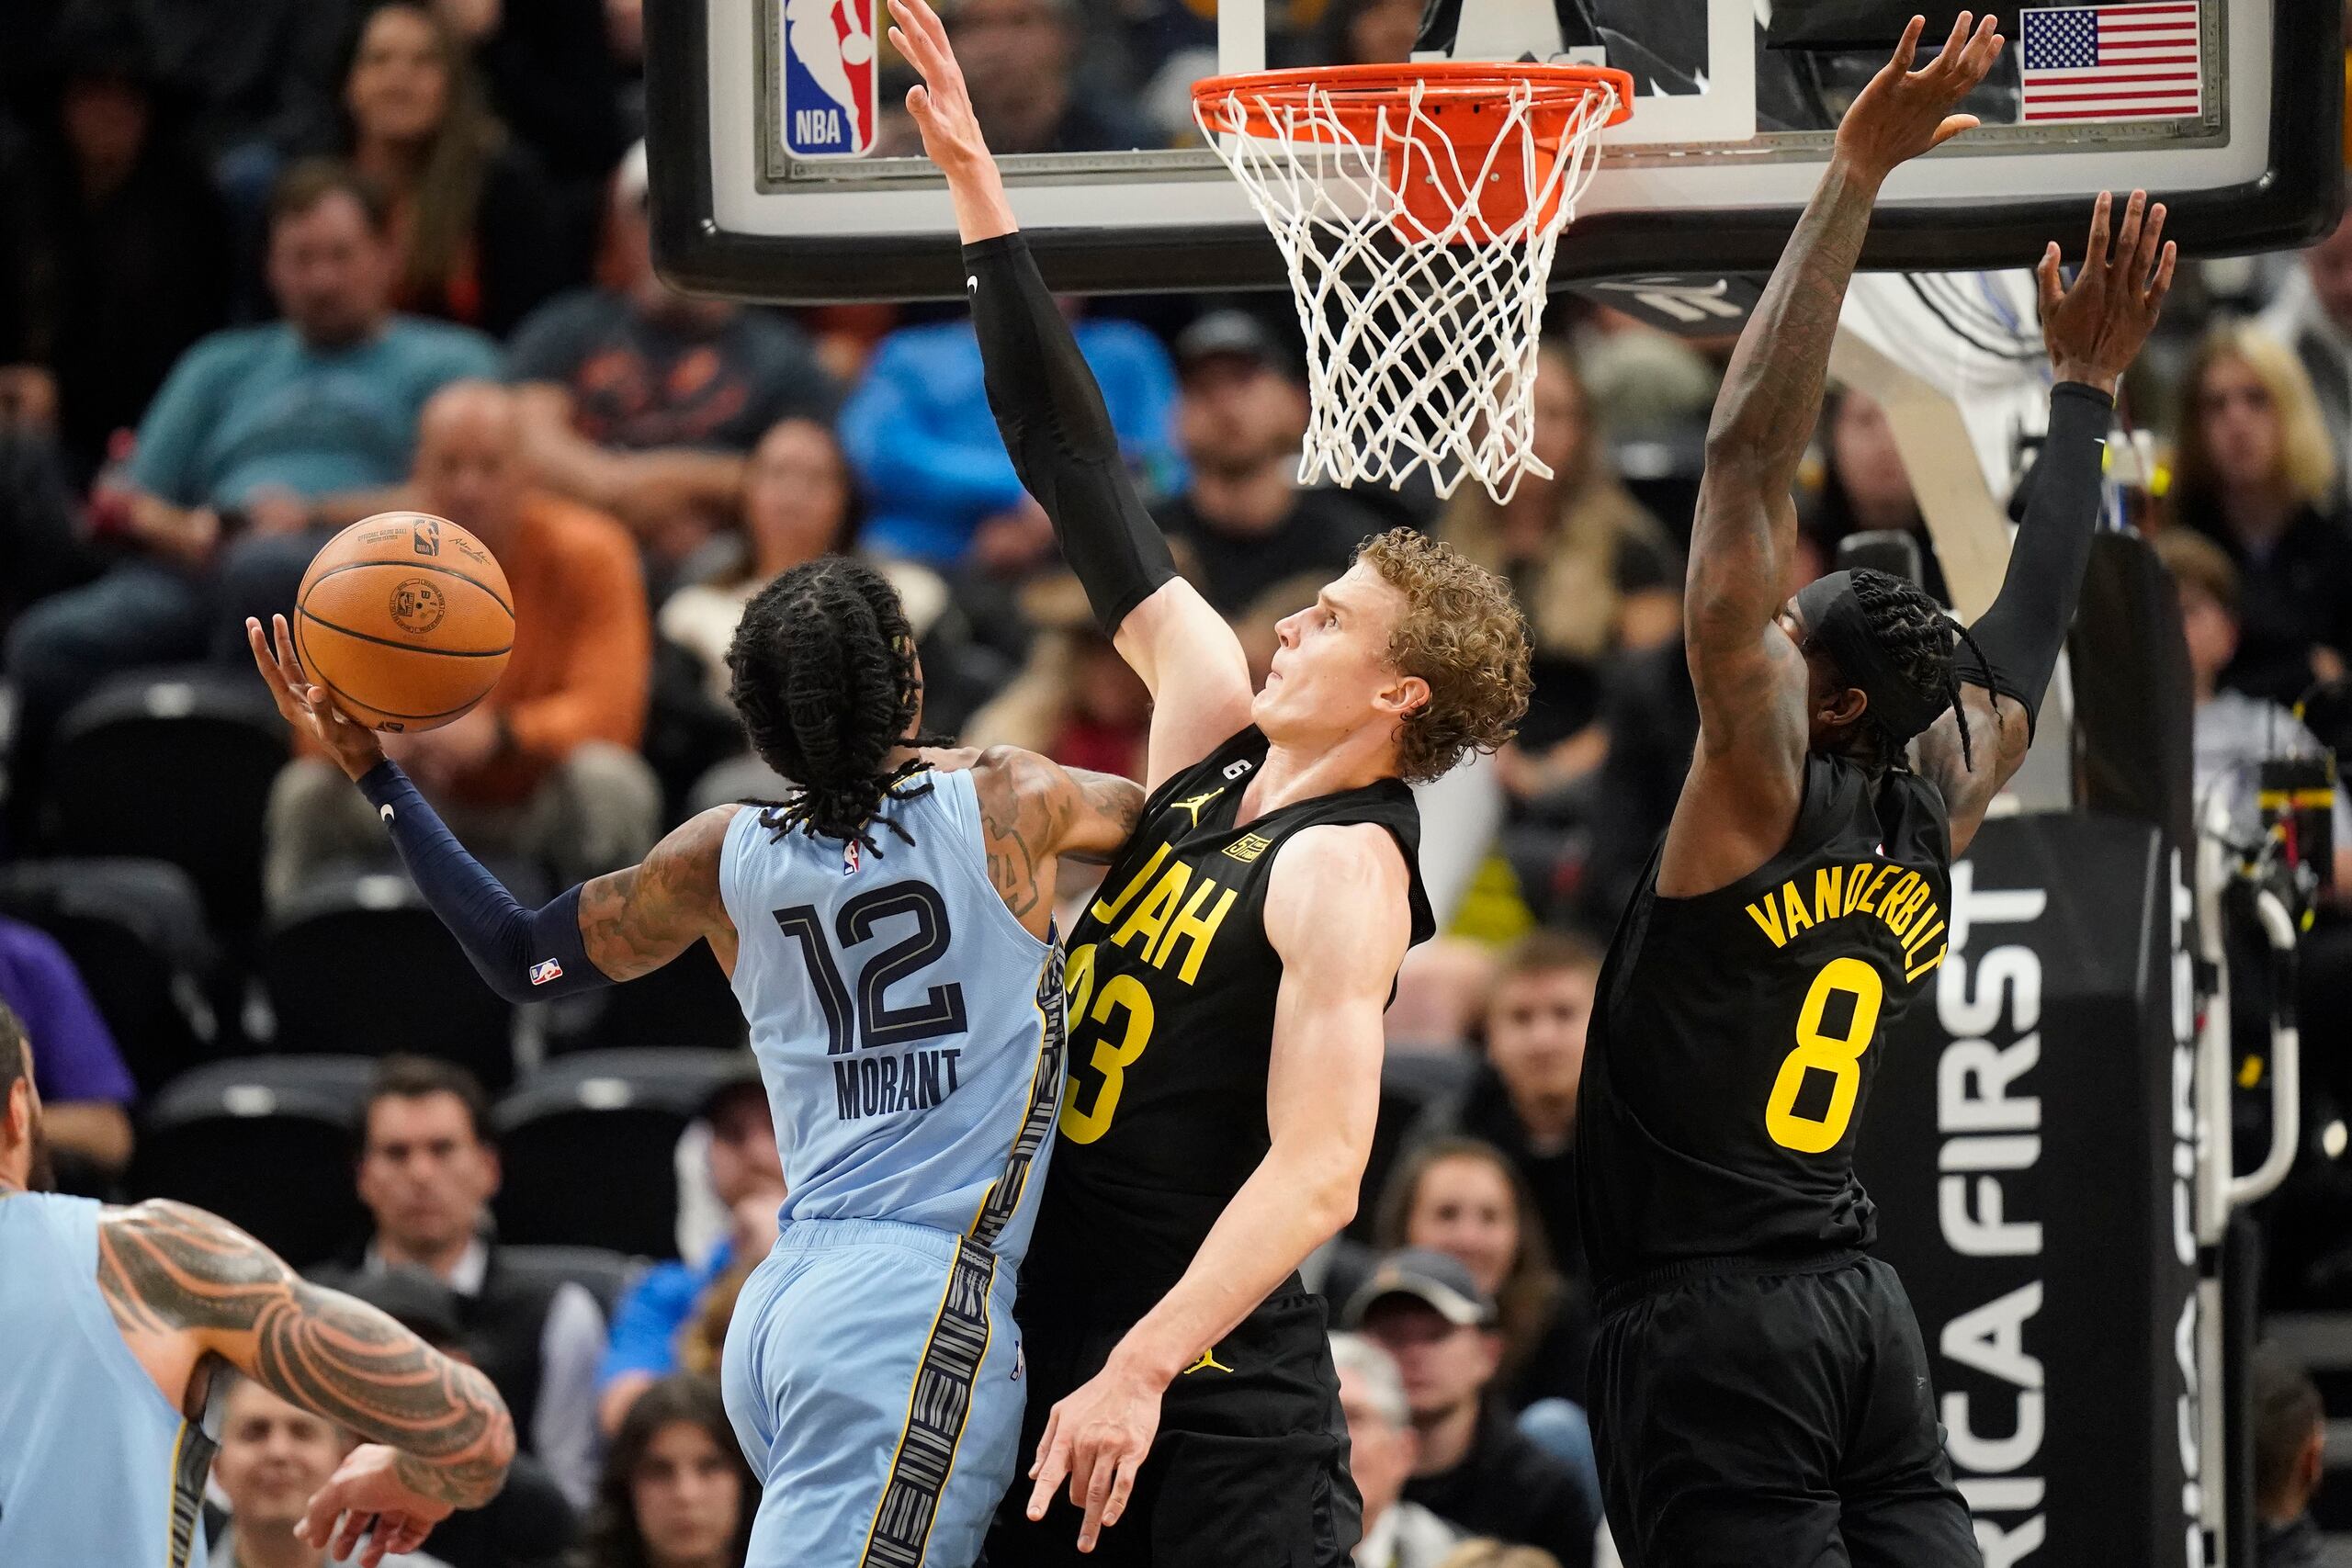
column 784, row 168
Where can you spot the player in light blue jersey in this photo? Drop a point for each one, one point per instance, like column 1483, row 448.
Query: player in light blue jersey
column 888, row 931
column 117, row 1326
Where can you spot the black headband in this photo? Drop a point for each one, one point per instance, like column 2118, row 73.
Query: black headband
column 1834, row 618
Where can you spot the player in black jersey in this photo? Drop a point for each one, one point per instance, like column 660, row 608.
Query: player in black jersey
column 1227, row 985
column 1760, row 1388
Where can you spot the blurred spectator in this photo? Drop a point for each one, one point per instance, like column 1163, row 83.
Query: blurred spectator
column 1499, row 1554
column 427, row 1171
column 643, row 403
column 552, row 79
column 42, row 550
column 544, row 766
column 1864, row 486
column 530, row 1523
column 2290, row 1457
column 1595, row 572
column 1239, row 417
column 255, row 428
column 931, row 461
column 78, row 1068
column 273, row 1456
column 1474, row 1470
column 2254, row 473
column 1461, row 1197
column 1075, row 699
column 114, row 244
column 1523, row 1099
column 1369, row 32
column 675, row 1492
column 1382, row 1449
column 746, row 1173
column 1018, row 58
column 798, row 504
column 1652, row 716
column 2312, row 315
column 2236, row 732
column 471, row 214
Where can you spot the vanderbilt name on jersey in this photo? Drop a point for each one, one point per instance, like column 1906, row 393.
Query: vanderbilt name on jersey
column 1171, row 990
column 1733, row 1048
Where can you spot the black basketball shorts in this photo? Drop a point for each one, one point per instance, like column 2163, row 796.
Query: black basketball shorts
column 1249, row 1469
column 1749, row 1414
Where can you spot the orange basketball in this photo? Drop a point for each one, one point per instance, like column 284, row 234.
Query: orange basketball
column 406, row 619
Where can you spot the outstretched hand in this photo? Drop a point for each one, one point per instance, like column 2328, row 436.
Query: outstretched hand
column 941, row 104
column 2095, row 328
column 306, row 707
column 1904, row 113
column 368, row 1510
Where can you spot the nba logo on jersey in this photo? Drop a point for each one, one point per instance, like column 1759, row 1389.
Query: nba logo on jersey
column 829, row 106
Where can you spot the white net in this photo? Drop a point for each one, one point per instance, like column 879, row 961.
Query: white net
column 1422, row 310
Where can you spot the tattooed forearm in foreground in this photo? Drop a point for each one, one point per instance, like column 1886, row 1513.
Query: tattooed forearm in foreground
column 164, row 1267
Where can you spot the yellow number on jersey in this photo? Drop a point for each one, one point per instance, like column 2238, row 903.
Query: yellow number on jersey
column 1840, row 1057
column 1111, row 1060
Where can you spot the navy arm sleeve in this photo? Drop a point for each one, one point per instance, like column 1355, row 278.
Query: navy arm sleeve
column 2019, row 637
column 523, row 954
column 1058, row 432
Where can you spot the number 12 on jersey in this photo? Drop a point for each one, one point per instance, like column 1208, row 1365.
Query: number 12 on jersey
column 1840, row 1055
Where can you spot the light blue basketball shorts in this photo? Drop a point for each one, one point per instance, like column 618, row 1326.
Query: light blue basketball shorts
column 872, row 1374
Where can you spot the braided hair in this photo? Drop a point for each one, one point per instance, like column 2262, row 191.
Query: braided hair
column 822, row 673
column 1913, row 632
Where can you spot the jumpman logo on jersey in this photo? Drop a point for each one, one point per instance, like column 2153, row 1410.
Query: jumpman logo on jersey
column 1194, row 805
column 1209, row 1360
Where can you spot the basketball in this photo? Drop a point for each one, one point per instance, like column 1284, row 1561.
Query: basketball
column 406, row 619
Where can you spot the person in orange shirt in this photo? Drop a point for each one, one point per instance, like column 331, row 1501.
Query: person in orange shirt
column 546, row 767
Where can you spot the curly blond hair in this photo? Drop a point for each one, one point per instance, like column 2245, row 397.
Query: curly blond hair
column 1463, row 634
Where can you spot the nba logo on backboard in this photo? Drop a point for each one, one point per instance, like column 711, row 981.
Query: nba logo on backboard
column 830, row 106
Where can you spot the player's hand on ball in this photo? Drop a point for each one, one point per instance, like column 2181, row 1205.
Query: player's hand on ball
column 940, row 104
column 367, row 1507
column 2095, row 328
column 1096, row 1438
column 306, row 707
column 1903, row 112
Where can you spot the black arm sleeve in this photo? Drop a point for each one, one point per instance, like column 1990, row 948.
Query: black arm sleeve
column 1058, row 432
column 2019, row 637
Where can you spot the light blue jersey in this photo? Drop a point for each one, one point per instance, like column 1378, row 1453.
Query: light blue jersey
column 94, row 1465
column 910, row 1033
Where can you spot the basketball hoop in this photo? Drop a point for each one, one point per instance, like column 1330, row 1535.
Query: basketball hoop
column 1417, row 208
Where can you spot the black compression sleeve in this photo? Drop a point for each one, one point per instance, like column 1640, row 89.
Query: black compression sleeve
column 2021, row 634
column 1058, row 432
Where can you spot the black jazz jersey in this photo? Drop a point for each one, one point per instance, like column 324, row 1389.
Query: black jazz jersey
column 1732, row 1051
column 1171, row 984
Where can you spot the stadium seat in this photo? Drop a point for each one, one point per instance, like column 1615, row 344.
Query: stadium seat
column 172, row 766
column 603, row 1272
column 358, row 964
column 265, row 1141
column 135, row 930
column 1410, row 1082
column 685, row 1002
column 588, row 1144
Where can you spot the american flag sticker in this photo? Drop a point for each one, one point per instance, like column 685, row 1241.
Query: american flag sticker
column 545, row 970
column 2112, row 62
column 830, row 106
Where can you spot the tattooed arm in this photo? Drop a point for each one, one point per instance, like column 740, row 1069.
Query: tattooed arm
column 184, row 1284
column 1747, row 775
column 634, row 922
column 1033, row 811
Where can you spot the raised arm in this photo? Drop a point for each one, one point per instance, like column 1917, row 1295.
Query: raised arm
column 2094, row 331
column 184, row 1284
column 1748, row 775
column 1033, row 811
column 617, row 927
column 1338, row 913
column 1060, row 437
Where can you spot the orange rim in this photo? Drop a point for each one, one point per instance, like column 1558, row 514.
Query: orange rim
column 1358, row 93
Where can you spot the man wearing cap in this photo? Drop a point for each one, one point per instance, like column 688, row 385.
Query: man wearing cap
column 1239, row 416
column 1475, row 1470
column 1382, row 1450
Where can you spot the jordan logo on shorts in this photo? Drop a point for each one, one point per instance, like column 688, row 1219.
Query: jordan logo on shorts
column 1209, row 1360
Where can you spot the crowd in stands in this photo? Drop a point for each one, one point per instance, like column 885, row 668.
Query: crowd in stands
column 268, row 269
